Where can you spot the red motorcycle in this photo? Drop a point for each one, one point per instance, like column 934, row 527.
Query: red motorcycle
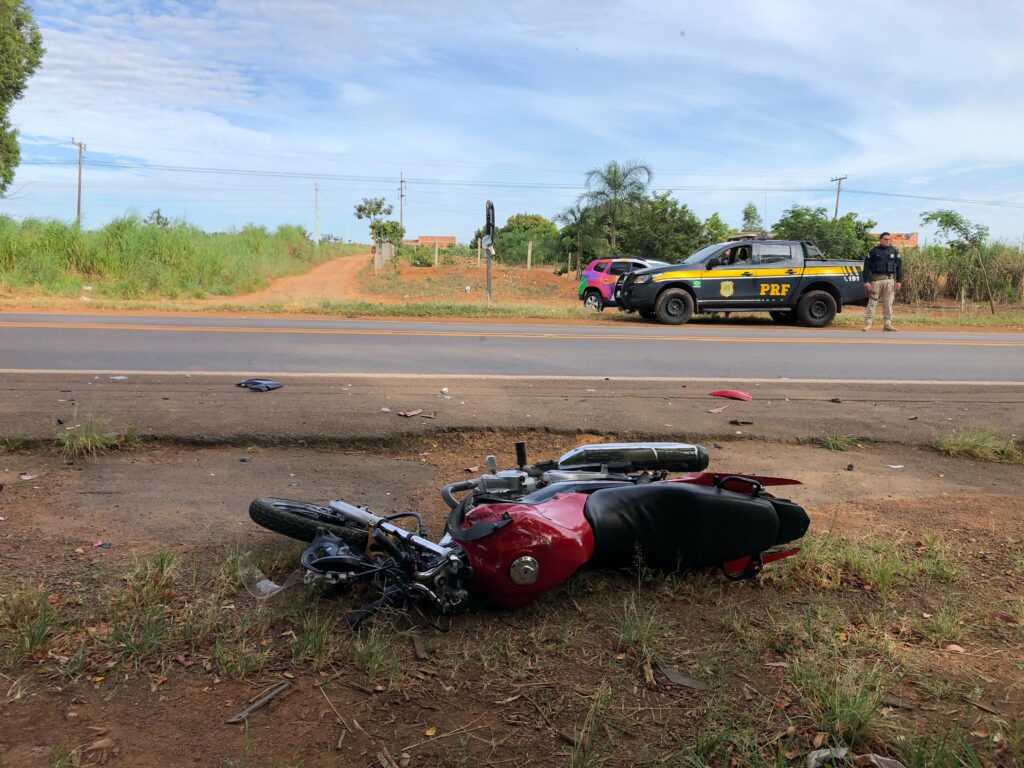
column 519, row 533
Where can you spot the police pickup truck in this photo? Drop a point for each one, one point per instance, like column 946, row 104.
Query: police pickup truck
column 790, row 279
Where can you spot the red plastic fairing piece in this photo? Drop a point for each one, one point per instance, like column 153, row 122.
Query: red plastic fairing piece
column 734, row 394
column 559, row 538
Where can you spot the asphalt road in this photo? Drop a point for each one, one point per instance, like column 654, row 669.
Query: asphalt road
column 260, row 345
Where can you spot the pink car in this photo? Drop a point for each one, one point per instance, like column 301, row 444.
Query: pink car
column 597, row 283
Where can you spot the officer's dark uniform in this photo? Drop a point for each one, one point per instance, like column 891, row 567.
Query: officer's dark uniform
column 883, row 268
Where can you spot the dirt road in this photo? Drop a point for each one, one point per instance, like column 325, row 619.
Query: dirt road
column 333, row 280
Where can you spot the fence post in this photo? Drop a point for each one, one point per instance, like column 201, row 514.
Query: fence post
column 529, row 255
column 478, row 251
column 435, row 254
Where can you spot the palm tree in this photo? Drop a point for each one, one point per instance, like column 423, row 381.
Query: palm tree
column 583, row 221
column 613, row 186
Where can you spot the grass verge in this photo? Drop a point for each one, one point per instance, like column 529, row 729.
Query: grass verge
column 986, row 446
column 91, row 436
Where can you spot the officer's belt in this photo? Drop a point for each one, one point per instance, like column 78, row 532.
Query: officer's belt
column 881, row 275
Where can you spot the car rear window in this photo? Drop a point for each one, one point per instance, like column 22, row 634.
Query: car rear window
column 600, row 266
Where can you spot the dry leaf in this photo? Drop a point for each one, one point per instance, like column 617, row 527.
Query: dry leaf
column 954, row 648
column 819, row 738
column 981, row 733
column 431, row 731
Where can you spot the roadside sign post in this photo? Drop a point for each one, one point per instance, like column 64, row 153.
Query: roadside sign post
column 489, row 245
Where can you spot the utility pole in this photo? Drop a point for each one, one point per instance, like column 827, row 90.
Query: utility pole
column 401, row 200
column 78, row 207
column 316, row 213
column 839, row 186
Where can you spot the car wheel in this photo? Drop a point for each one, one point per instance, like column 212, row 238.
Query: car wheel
column 674, row 307
column 816, row 309
column 592, row 300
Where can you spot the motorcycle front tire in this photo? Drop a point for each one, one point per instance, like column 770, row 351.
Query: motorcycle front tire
column 301, row 520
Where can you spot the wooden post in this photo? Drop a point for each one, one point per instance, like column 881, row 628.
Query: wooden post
column 988, row 288
column 529, row 255
column 478, row 251
column 435, row 254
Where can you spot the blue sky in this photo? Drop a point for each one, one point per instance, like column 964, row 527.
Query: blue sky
column 514, row 101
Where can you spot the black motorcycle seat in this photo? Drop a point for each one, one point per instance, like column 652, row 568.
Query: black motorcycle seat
column 678, row 526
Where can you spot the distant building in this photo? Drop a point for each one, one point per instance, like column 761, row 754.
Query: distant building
column 901, row 239
column 443, row 241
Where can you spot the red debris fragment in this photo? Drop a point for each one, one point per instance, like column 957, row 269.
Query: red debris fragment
column 734, row 394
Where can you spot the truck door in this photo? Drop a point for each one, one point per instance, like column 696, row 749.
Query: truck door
column 779, row 268
column 733, row 283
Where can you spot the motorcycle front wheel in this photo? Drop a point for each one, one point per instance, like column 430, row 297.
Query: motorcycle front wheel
column 301, row 520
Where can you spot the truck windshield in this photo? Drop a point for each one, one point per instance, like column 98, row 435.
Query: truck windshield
column 698, row 256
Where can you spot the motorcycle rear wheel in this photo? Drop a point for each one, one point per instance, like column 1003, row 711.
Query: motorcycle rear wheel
column 301, row 520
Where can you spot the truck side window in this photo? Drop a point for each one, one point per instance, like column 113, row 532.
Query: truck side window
column 772, row 253
column 619, row 268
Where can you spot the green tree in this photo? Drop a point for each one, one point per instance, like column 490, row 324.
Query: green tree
column 957, row 231
column 21, row 50
column 157, row 218
column 844, row 238
column 387, row 231
column 581, row 234
column 751, row 218
column 529, row 222
column 374, row 209
column 660, row 227
column 615, row 189
column 715, row 230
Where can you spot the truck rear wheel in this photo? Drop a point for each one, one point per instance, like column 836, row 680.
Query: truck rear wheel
column 816, row 309
column 674, row 307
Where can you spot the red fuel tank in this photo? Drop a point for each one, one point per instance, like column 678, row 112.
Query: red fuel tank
column 542, row 546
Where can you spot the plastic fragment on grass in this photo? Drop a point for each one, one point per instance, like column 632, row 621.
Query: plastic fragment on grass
column 732, row 394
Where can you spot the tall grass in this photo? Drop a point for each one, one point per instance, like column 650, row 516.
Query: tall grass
column 130, row 258
column 936, row 272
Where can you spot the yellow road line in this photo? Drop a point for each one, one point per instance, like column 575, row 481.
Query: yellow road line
column 506, row 334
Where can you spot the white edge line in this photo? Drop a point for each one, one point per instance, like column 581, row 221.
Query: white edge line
column 504, row 377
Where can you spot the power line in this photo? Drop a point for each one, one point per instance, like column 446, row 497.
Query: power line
column 480, row 183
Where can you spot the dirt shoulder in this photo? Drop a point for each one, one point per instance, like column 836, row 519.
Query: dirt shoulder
column 203, row 408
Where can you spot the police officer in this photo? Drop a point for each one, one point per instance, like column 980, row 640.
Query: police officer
column 883, row 275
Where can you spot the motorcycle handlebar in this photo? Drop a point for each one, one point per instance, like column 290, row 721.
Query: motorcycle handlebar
column 448, row 490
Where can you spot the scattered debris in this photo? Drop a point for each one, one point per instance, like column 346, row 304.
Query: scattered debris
column 912, row 418
column 260, row 385
column 27, row 476
column 262, row 701
column 2, row 519
column 739, row 422
column 733, row 394
column 849, row 467
column 472, row 469
column 836, row 400
column 954, row 648
column 716, row 445
column 675, row 677
column 719, row 409
column 245, row 459
column 431, row 415
column 385, row 409
column 894, row 466
column 118, row 378
column 419, row 648
column 444, row 390
column 101, row 544
column 414, row 412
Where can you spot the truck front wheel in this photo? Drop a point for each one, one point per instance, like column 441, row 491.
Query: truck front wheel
column 816, row 309
column 674, row 307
